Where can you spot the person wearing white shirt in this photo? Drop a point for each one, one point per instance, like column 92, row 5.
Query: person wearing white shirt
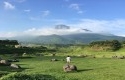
column 68, row 59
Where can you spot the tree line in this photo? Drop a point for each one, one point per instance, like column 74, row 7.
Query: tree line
column 8, row 47
column 106, row 45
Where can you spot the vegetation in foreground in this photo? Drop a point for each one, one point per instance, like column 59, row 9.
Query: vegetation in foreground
column 88, row 69
column 92, row 62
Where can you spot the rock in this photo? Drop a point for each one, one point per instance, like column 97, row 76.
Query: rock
column 5, row 62
column 121, row 57
column 73, row 67
column 82, row 56
column 54, row 59
column 15, row 66
column 68, row 68
column 24, row 55
column 114, row 56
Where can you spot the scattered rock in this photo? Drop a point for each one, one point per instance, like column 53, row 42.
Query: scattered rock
column 5, row 62
column 69, row 68
column 54, row 59
column 73, row 67
column 83, row 56
column 118, row 57
column 114, row 56
column 66, row 68
column 24, row 54
column 121, row 57
column 15, row 66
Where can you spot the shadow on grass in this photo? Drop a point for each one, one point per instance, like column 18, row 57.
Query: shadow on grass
column 10, row 69
column 24, row 57
column 21, row 64
column 5, row 70
column 82, row 70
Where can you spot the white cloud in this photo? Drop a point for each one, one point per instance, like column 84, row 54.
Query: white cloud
column 8, row 34
column 45, row 13
column 76, row 7
column 108, row 26
column 96, row 26
column 50, row 31
column 8, row 6
column 116, row 27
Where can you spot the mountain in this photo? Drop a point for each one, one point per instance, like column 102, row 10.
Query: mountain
column 74, row 38
column 68, row 39
column 62, row 26
column 89, row 37
column 52, row 39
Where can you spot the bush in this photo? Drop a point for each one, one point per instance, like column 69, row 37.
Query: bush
column 21, row 76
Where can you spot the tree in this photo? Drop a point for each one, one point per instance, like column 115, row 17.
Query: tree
column 116, row 45
column 106, row 45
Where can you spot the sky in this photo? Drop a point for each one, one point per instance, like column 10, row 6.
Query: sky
column 39, row 17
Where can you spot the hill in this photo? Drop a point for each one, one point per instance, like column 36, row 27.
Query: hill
column 70, row 38
column 73, row 38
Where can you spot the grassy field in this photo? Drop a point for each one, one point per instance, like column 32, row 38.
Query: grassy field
column 88, row 68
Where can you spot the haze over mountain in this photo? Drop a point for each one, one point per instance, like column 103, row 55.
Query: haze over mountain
column 76, row 38
column 63, row 34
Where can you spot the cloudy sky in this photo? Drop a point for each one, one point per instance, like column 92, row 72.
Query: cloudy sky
column 38, row 17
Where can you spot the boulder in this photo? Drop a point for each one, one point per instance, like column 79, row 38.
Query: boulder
column 121, row 57
column 5, row 62
column 69, row 68
column 73, row 67
column 24, row 55
column 15, row 66
column 66, row 68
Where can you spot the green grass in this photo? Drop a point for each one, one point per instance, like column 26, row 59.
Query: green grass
column 88, row 68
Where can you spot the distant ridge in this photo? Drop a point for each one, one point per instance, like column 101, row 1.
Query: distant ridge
column 70, row 38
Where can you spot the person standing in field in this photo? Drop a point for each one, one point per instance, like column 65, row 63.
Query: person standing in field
column 68, row 59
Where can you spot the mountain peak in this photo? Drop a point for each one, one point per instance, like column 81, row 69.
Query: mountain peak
column 62, row 26
column 86, row 30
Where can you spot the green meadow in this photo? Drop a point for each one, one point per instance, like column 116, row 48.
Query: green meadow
column 98, row 61
column 88, row 69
